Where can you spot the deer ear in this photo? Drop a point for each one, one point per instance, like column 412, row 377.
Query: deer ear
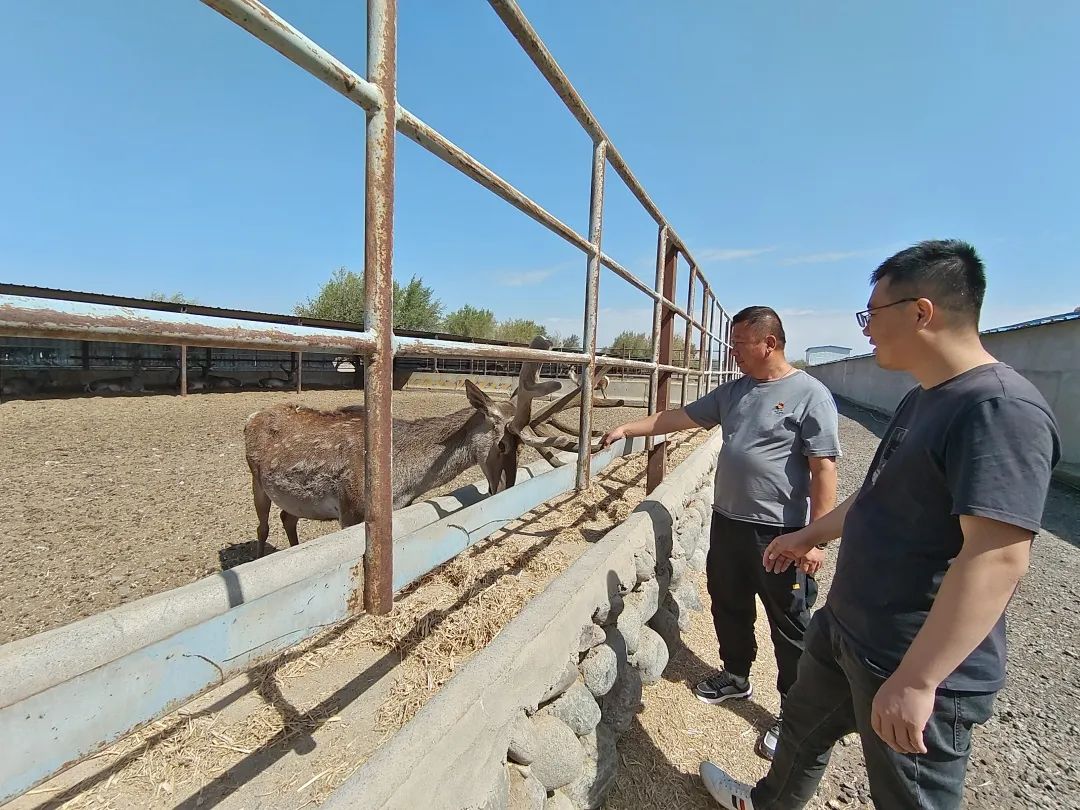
column 478, row 399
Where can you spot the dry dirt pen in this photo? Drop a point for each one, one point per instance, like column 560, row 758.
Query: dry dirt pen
column 108, row 499
column 111, row 499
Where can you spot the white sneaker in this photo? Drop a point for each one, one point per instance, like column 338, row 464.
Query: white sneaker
column 728, row 792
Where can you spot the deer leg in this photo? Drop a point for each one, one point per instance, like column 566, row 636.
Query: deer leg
column 289, row 521
column 262, row 510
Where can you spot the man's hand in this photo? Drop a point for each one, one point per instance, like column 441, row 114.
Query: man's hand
column 786, row 550
column 810, row 563
column 612, row 436
column 900, row 712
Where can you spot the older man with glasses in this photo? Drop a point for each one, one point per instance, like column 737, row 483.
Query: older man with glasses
column 909, row 649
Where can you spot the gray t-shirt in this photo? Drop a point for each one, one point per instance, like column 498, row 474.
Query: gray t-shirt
column 983, row 444
column 770, row 428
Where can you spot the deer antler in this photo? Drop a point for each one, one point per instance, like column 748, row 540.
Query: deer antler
column 560, row 442
column 529, row 387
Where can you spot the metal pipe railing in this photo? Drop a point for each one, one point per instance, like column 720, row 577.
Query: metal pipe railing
column 265, row 25
column 23, row 316
column 378, row 587
column 377, row 95
column 592, row 298
column 521, row 29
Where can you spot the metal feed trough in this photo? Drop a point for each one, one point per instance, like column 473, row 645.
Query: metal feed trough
column 63, row 707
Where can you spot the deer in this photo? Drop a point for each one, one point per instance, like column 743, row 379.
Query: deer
column 310, row 462
column 132, row 384
column 276, row 383
column 212, row 382
column 18, row 387
column 600, row 381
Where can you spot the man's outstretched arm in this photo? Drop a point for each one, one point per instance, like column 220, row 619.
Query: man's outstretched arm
column 663, row 422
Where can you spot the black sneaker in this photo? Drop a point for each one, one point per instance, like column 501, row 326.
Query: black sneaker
column 770, row 738
column 723, row 686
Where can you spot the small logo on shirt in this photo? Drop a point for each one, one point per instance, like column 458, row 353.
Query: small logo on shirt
column 779, row 407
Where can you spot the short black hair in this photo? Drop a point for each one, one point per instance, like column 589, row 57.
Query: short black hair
column 947, row 271
column 764, row 320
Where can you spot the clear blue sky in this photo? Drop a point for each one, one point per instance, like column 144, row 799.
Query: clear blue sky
column 793, row 146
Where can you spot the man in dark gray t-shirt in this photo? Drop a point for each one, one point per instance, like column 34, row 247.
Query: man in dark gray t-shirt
column 909, row 649
column 777, row 468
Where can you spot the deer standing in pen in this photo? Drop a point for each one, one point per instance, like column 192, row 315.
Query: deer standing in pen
column 600, row 381
column 310, row 462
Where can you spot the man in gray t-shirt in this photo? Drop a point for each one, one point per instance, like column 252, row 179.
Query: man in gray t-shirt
column 776, row 469
column 909, row 649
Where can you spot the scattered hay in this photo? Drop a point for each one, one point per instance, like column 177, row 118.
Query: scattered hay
column 435, row 627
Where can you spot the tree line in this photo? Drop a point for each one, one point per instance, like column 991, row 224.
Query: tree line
column 417, row 307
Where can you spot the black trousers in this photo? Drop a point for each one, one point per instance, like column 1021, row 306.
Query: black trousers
column 833, row 697
column 735, row 576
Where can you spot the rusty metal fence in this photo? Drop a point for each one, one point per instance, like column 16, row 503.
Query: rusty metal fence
column 377, row 343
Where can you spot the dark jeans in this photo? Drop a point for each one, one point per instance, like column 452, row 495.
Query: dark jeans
column 832, row 697
column 735, row 575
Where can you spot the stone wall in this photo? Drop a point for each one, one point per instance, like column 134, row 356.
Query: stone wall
column 534, row 720
column 564, row 754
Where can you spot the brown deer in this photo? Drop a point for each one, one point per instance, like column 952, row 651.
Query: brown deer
column 600, row 381
column 133, row 384
column 278, row 384
column 311, row 462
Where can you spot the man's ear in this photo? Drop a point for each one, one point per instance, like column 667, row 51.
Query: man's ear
column 924, row 312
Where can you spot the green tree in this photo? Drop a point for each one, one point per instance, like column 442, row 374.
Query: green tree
column 519, row 330
column 636, row 345
column 677, row 346
column 174, row 298
column 470, row 322
column 342, row 299
column 560, row 342
column 415, row 306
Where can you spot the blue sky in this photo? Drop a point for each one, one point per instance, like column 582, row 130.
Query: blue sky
column 793, row 146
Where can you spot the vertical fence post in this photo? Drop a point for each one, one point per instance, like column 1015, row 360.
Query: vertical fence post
column 378, row 314
column 592, row 297
column 658, row 310
column 702, row 380
column 710, row 381
column 298, row 370
column 729, row 361
column 663, row 329
column 183, row 370
column 688, row 336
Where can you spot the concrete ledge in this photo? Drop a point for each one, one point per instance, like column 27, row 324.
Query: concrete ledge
column 452, row 750
column 31, row 664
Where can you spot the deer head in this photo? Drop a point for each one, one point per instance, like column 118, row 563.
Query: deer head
column 496, row 449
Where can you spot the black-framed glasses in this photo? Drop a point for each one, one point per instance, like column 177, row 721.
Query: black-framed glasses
column 864, row 317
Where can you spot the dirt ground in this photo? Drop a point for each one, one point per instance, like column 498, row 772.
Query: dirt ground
column 108, row 499
column 288, row 733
